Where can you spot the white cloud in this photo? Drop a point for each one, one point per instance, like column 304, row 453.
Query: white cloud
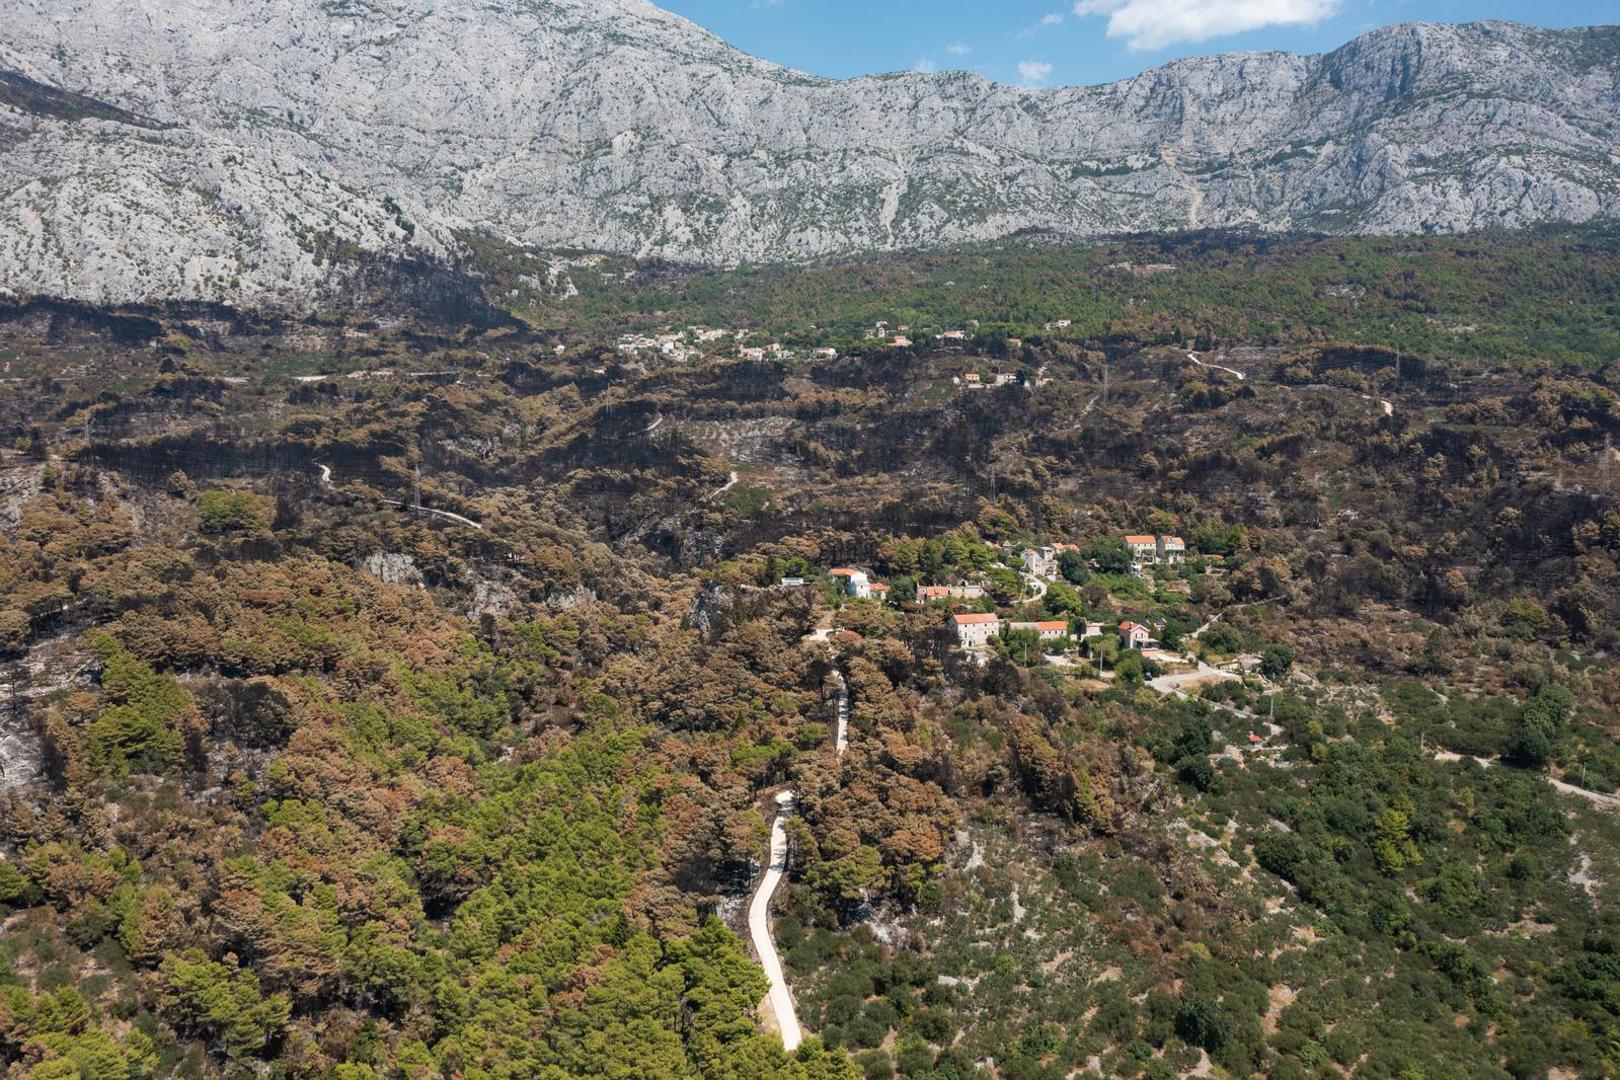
column 1033, row 72
column 925, row 66
column 958, row 49
column 1047, row 22
column 1153, row 24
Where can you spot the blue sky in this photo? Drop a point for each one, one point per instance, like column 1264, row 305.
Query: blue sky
column 1062, row 42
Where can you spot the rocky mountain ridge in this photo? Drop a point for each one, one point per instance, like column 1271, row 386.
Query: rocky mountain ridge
column 253, row 152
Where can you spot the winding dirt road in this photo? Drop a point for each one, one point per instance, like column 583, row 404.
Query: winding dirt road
column 442, row 515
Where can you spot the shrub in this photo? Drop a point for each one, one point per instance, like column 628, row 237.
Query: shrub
column 231, row 511
column 1276, row 662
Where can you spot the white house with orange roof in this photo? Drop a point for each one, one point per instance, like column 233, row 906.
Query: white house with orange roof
column 856, row 583
column 1133, row 635
column 1152, row 550
column 975, row 631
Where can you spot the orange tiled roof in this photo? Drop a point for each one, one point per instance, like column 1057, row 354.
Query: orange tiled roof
column 964, row 620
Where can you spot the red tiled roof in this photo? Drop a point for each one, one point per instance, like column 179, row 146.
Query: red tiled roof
column 1052, row 624
column 880, row 587
column 842, row 571
column 964, row 620
column 1141, row 539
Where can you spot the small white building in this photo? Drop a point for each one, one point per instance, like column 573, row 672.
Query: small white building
column 975, row 631
column 856, row 583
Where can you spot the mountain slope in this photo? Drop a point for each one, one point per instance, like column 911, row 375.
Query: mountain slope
column 249, row 151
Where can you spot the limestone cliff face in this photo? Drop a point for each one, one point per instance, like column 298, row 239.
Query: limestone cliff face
column 246, row 150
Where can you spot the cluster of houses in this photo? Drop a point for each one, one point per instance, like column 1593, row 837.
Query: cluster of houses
column 975, row 631
column 899, row 339
column 1149, row 550
column 972, row 380
column 681, row 346
column 672, row 346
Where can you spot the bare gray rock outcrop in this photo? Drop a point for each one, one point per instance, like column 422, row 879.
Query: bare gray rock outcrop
column 251, row 150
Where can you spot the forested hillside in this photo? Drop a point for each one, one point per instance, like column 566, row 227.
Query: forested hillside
column 410, row 698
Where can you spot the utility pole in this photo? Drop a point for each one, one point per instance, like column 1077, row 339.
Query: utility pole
column 1105, row 385
column 1608, row 459
column 1397, row 365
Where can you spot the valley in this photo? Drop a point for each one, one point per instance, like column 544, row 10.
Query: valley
column 1217, row 684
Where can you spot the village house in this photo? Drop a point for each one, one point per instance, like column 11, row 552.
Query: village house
column 1047, row 629
column 1093, row 629
column 971, row 379
column 1135, row 636
column 929, row 593
column 880, row 592
column 856, row 583
column 1005, row 378
column 1153, row 550
column 953, row 335
column 901, row 342
column 975, row 631
column 1041, row 562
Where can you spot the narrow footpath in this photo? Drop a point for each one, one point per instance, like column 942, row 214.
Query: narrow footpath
column 730, row 483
